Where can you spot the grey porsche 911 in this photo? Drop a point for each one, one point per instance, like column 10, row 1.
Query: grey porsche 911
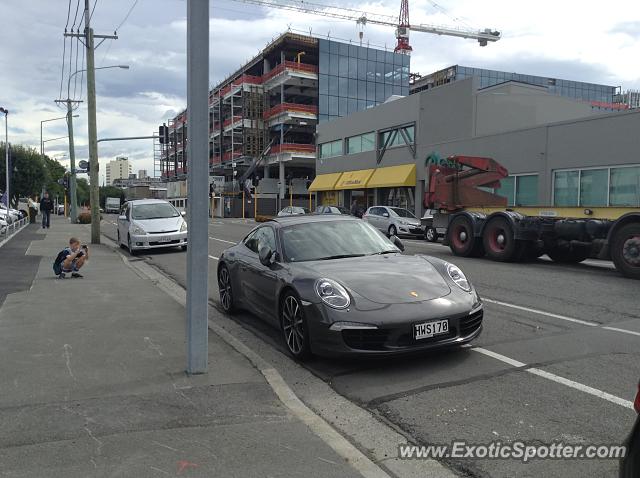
column 335, row 285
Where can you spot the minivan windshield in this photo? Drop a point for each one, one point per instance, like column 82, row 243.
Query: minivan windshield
column 156, row 210
column 402, row 212
column 316, row 241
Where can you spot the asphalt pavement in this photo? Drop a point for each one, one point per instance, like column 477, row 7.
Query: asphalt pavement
column 557, row 361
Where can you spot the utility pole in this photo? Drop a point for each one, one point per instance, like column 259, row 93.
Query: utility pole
column 73, row 213
column 198, row 181
column 94, row 187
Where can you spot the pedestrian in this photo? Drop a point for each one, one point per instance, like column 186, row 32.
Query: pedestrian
column 354, row 208
column 71, row 259
column 46, row 206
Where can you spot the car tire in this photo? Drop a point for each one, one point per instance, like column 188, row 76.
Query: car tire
column 431, row 234
column 132, row 251
column 225, row 289
column 392, row 230
column 293, row 324
column 184, row 248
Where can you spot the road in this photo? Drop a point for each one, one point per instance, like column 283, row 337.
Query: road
column 557, row 360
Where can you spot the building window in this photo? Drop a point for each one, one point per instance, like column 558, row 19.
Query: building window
column 361, row 143
column 396, row 137
column 331, row 149
column 616, row 186
column 520, row 190
column 624, row 186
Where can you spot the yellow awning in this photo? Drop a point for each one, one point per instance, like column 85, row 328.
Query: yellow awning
column 354, row 179
column 324, row 182
column 393, row 176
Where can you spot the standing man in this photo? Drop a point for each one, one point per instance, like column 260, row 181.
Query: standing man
column 354, row 208
column 46, row 206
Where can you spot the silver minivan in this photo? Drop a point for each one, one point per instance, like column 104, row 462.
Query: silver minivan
column 394, row 221
column 151, row 224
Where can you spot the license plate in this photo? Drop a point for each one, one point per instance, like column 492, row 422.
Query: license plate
column 164, row 239
column 429, row 329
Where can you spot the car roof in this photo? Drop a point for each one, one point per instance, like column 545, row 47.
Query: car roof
column 308, row 218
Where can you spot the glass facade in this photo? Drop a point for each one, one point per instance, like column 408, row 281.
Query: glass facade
column 353, row 78
column 396, row 137
column 571, row 89
column 616, row 186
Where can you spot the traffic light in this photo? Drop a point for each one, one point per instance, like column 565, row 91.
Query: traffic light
column 163, row 132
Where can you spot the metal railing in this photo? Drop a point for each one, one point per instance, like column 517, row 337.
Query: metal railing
column 11, row 229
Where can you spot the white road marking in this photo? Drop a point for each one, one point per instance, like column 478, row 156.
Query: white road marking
column 541, row 312
column 558, row 379
column 222, row 240
column 214, row 258
column 624, row 331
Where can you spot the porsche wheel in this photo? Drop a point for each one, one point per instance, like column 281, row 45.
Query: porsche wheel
column 294, row 327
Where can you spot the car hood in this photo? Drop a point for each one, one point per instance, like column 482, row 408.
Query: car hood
column 160, row 225
column 385, row 279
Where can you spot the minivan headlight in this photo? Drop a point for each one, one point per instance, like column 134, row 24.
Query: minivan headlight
column 458, row 277
column 137, row 230
column 332, row 294
column 183, row 227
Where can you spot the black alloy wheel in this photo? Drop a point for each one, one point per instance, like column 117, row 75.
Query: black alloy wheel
column 225, row 290
column 294, row 327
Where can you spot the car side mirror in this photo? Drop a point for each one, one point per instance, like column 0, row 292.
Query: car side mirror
column 122, row 217
column 183, row 213
column 385, row 214
column 265, row 254
column 397, row 242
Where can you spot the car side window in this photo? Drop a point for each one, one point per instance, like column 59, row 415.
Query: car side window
column 263, row 236
column 375, row 211
column 251, row 241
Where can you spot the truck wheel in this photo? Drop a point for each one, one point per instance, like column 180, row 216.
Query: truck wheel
column 566, row 255
column 499, row 241
column 625, row 250
column 462, row 242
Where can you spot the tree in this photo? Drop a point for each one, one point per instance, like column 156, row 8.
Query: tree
column 28, row 173
column 54, row 172
column 110, row 192
column 82, row 191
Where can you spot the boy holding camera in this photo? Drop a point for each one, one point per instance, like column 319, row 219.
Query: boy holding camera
column 71, row 259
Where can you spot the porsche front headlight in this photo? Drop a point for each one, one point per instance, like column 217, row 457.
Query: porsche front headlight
column 332, row 294
column 458, row 277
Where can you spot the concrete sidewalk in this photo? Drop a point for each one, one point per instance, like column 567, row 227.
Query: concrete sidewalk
column 93, row 384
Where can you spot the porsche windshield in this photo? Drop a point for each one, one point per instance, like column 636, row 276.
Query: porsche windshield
column 314, row 241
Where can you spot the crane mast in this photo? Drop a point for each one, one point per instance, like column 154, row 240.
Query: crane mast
column 363, row 18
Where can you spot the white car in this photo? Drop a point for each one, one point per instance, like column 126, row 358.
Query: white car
column 146, row 224
column 3, row 226
column 9, row 216
column 394, row 220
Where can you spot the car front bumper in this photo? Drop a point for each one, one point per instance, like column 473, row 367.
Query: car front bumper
column 411, row 230
column 158, row 241
column 390, row 329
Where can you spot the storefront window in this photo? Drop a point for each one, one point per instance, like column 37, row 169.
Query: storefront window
column 624, row 188
column 397, row 197
column 593, row 187
column 565, row 188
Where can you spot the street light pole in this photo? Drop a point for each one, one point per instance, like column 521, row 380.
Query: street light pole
column 44, row 121
column 6, row 154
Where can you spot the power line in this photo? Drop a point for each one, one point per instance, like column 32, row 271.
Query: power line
column 68, row 16
column 93, row 9
column 64, row 51
column 135, row 2
column 75, row 17
column 75, row 80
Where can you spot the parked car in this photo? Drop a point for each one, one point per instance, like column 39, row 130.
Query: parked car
column 431, row 233
column 394, row 220
column 293, row 211
column 151, row 224
column 332, row 210
column 311, row 277
column 630, row 464
column 60, row 209
column 3, row 226
column 9, row 215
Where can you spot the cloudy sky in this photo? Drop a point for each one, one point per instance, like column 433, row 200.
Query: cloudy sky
column 588, row 41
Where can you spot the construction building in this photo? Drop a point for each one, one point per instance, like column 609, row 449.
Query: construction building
column 274, row 102
column 601, row 97
column 120, row 168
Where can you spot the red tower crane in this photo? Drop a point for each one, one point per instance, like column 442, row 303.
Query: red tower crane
column 402, row 32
